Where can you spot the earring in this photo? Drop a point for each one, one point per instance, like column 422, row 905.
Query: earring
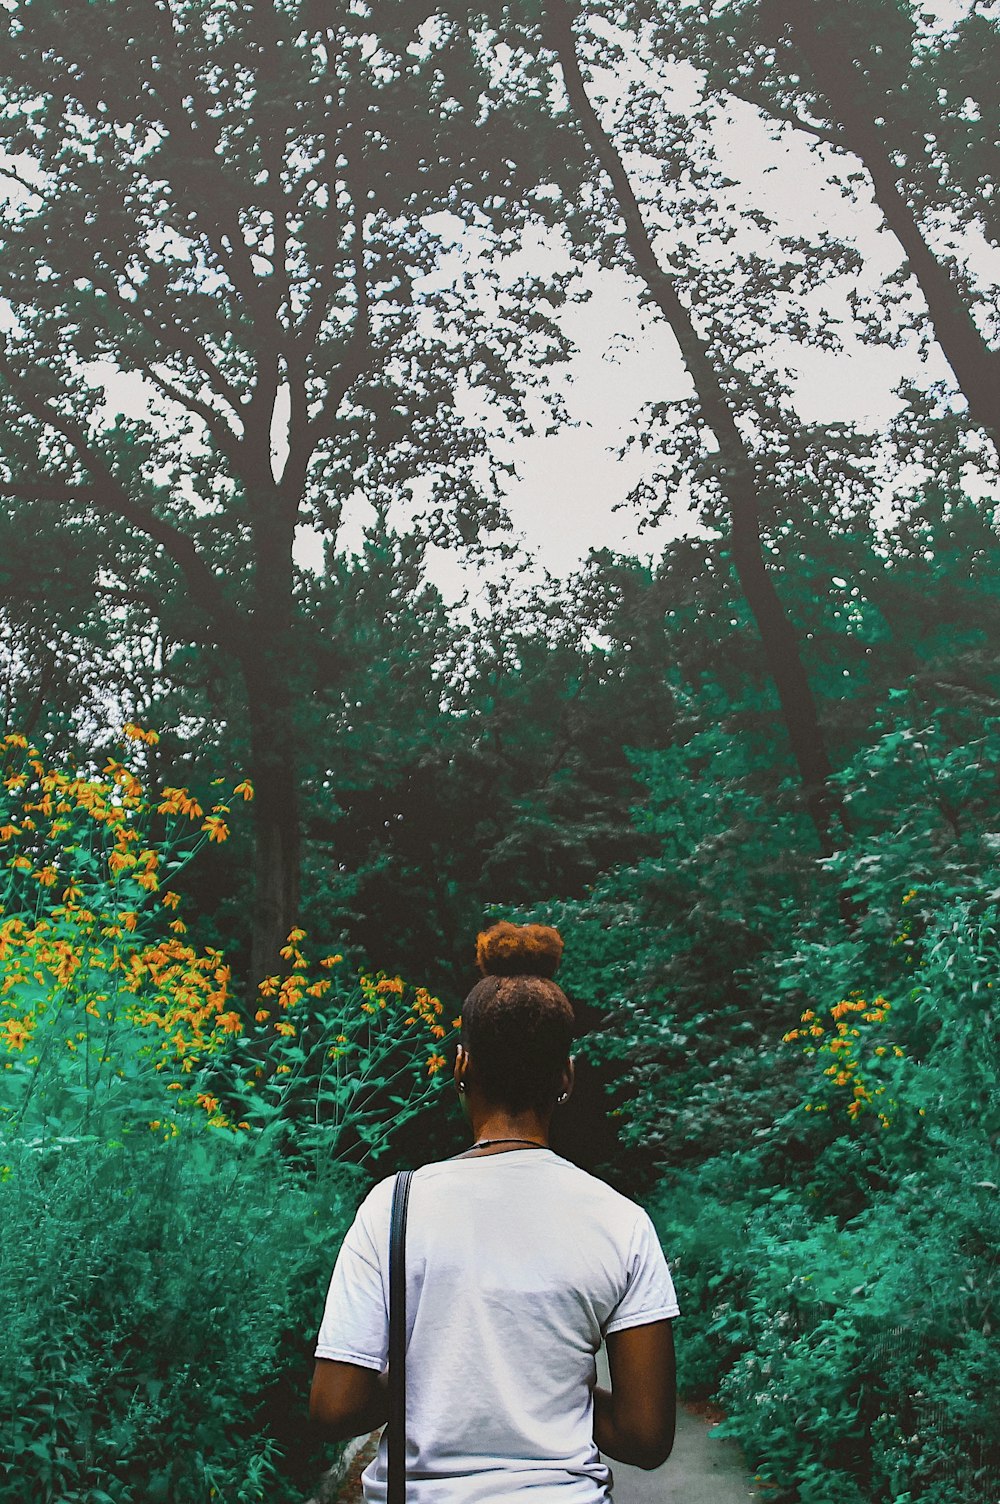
column 461, row 1087
column 564, row 1097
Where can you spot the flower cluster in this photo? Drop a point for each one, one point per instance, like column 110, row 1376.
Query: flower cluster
column 93, row 992
column 852, row 1037
column 105, row 1007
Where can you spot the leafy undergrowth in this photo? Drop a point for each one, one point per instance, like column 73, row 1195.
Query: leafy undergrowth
column 178, row 1163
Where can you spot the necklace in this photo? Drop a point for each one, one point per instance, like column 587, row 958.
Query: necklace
column 486, row 1143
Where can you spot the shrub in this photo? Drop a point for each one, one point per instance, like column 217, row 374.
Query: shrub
column 150, row 1293
column 178, row 1166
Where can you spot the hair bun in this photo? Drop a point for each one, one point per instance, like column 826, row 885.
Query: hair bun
column 517, row 950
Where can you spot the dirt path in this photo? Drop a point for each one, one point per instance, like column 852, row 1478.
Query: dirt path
column 702, row 1469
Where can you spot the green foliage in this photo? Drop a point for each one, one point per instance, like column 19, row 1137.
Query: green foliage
column 818, row 1085
column 151, row 1295
column 176, row 1170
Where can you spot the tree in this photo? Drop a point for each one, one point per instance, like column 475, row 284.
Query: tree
column 740, row 474
column 913, row 99
column 228, row 204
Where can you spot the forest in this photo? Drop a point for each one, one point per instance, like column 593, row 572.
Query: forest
column 286, row 288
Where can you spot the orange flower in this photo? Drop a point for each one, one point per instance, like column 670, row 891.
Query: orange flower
column 170, row 900
column 230, row 1023
column 210, row 1104
column 17, row 1032
column 217, row 828
column 435, row 1063
column 180, row 802
column 245, row 788
column 135, row 733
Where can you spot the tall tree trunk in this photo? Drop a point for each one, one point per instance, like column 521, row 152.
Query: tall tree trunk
column 270, row 676
column 277, row 845
column 975, row 365
column 781, row 647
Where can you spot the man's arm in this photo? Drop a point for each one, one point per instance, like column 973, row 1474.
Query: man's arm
column 347, row 1400
column 634, row 1420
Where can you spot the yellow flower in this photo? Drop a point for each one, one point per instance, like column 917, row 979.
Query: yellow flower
column 17, row 1032
column 180, row 802
column 135, row 733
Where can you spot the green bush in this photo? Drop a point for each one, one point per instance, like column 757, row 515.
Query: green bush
column 157, row 1307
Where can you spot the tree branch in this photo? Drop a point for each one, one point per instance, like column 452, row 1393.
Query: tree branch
column 227, row 441
column 107, row 495
column 358, row 349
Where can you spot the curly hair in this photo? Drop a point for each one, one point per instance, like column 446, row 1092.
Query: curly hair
column 517, row 1024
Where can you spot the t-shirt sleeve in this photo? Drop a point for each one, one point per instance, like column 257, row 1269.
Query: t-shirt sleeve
column 649, row 1290
column 355, row 1325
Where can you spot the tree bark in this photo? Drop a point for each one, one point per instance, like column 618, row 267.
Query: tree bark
column 277, row 844
column 738, row 472
column 269, row 673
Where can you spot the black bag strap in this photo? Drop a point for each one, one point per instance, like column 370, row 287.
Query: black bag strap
column 396, row 1430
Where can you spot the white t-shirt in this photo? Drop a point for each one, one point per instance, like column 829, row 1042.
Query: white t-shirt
column 517, row 1265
